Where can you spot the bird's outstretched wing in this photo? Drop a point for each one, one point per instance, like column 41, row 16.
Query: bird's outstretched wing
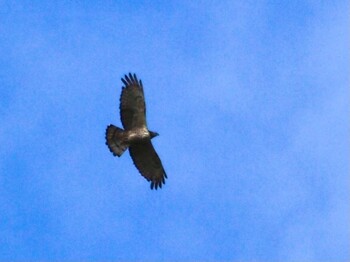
column 132, row 103
column 148, row 163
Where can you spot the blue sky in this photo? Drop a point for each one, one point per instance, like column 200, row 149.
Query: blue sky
column 251, row 100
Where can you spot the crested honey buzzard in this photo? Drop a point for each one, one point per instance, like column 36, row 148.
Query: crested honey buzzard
column 136, row 135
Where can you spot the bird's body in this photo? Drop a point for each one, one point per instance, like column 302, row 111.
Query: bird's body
column 136, row 135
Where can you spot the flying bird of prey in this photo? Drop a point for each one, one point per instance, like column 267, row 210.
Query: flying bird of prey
column 136, row 135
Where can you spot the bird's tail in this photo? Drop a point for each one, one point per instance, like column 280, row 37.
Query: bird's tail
column 115, row 140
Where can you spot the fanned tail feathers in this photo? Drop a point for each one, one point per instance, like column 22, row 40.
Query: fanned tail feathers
column 115, row 140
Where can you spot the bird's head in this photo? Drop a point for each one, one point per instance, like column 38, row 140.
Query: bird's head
column 153, row 134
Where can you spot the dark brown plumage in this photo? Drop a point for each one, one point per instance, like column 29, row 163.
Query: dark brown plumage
column 136, row 135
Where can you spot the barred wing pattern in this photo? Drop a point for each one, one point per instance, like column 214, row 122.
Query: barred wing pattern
column 148, row 163
column 132, row 103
